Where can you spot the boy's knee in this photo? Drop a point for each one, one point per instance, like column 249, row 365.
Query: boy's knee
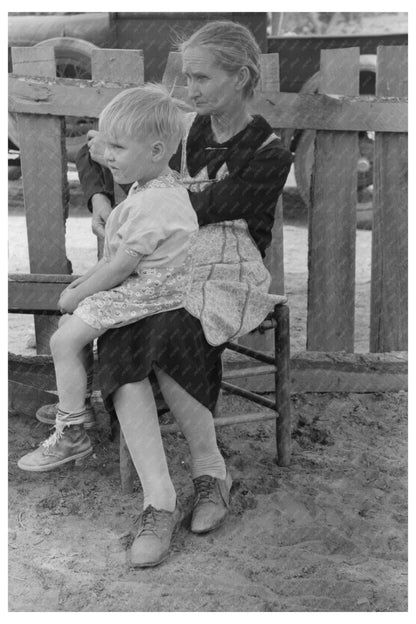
column 64, row 318
column 57, row 341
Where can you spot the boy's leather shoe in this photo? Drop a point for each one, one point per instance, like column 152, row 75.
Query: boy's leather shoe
column 64, row 445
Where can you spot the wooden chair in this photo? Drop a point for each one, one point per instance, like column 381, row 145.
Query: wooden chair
column 278, row 409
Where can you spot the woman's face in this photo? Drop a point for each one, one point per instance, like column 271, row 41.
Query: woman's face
column 212, row 90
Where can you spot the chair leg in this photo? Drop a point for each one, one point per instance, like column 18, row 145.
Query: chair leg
column 282, row 357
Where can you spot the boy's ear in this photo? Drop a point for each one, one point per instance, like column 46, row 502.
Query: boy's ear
column 158, row 150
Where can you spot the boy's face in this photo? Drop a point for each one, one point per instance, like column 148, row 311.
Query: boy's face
column 130, row 160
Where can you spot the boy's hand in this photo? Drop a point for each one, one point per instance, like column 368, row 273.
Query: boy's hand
column 68, row 301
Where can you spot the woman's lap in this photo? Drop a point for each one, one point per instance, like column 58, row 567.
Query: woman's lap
column 175, row 342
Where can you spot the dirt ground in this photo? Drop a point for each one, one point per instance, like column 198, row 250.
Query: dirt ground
column 328, row 534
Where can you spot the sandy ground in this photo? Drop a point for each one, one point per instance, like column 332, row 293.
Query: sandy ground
column 326, row 534
column 329, row 533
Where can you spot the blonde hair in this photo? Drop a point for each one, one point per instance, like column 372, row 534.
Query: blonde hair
column 144, row 111
column 232, row 45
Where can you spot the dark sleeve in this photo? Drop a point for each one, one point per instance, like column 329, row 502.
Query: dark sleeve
column 249, row 194
column 94, row 178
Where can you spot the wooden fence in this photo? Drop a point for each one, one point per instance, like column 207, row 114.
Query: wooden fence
column 337, row 113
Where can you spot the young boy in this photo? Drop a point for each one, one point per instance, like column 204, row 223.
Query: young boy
column 146, row 267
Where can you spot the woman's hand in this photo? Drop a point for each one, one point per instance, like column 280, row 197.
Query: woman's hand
column 101, row 210
column 96, row 146
column 68, row 301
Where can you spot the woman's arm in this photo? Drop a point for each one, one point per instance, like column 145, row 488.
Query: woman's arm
column 93, row 177
column 105, row 276
column 250, row 194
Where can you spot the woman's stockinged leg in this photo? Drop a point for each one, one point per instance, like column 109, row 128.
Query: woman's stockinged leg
column 197, row 425
column 137, row 413
column 69, row 348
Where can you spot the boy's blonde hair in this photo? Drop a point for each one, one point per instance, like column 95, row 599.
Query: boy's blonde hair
column 142, row 112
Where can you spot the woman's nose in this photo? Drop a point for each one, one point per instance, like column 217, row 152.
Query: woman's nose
column 107, row 154
column 193, row 89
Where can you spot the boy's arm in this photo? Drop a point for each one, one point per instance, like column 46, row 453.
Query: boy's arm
column 106, row 275
column 86, row 275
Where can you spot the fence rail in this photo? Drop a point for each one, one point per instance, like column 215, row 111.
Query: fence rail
column 337, row 112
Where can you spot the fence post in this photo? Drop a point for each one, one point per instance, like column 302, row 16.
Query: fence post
column 388, row 310
column 116, row 66
column 125, row 66
column 332, row 217
column 274, row 260
column 45, row 189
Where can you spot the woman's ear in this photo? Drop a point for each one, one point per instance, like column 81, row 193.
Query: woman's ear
column 243, row 76
column 158, row 150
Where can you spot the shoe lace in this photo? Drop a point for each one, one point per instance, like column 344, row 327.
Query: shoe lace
column 54, row 438
column 204, row 488
column 150, row 517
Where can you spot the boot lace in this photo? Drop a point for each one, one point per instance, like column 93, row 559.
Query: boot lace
column 204, row 490
column 150, row 518
column 54, row 438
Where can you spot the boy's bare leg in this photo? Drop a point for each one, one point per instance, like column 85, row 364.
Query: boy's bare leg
column 71, row 356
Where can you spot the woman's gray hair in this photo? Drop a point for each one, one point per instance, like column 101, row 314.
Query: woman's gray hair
column 233, row 47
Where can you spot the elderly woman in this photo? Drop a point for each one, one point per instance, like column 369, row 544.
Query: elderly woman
column 235, row 169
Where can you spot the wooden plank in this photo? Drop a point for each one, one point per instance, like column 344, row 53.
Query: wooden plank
column 31, row 293
column 389, row 282
column 25, row 399
column 331, row 372
column 125, row 66
column 332, row 218
column 274, row 261
column 64, row 96
column 43, row 159
column 173, row 76
column 113, row 65
column 270, row 81
column 282, row 386
column 226, row 421
column 31, row 297
column 35, row 370
column 309, row 372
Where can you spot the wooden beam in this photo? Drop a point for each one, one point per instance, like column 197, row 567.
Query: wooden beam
column 125, row 66
column 274, row 260
column 332, row 218
column 309, row 372
column 113, row 65
column 43, row 159
column 25, row 399
column 34, row 293
column 389, row 272
column 64, row 96
column 330, row 372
